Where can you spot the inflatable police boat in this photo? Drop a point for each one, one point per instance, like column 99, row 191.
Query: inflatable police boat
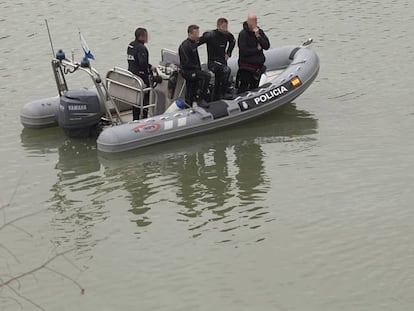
column 106, row 107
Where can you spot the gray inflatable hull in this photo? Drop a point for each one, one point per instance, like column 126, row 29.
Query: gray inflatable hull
column 40, row 113
column 299, row 64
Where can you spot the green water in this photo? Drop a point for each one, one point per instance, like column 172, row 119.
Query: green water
column 308, row 208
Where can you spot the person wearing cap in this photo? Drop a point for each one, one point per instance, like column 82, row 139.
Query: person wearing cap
column 138, row 64
column 196, row 80
column 220, row 44
column 251, row 41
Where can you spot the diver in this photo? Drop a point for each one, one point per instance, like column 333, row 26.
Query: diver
column 220, row 44
column 196, row 80
column 139, row 65
column 252, row 41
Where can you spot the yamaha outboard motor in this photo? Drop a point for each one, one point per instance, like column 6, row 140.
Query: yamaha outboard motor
column 80, row 113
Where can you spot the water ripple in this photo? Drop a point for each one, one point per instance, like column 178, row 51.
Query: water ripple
column 316, row 203
column 214, row 186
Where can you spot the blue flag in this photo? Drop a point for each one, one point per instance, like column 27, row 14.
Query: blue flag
column 85, row 47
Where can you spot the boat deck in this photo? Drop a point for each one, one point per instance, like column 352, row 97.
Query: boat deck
column 126, row 114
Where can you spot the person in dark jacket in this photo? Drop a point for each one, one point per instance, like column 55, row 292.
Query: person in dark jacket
column 196, row 79
column 139, row 65
column 220, row 44
column 252, row 41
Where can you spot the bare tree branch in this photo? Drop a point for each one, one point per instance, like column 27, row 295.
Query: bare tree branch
column 10, row 253
column 25, row 298
column 67, row 277
column 13, row 282
column 3, row 207
column 64, row 275
column 22, row 230
column 72, row 263
column 12, row 196
column 19, row 285
column 14, row 300
column 1, row 289
column 22, row 275
column 11, row 222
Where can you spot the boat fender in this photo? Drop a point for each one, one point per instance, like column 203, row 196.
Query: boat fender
column 292, row 54
column 176, row 105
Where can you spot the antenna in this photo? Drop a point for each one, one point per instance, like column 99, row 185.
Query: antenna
column 50, row 38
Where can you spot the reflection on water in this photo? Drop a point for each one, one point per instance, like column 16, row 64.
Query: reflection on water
column 75, row 202
column 38, row 142
column 215, row 181
column 212, row 181
column 249, row 160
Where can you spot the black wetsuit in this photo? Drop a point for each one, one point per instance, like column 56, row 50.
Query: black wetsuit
column 219, row 44
column 251, row 59
column 138, row 64
column 196, row 79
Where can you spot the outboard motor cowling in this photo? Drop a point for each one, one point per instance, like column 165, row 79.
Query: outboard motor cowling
column 79, row 113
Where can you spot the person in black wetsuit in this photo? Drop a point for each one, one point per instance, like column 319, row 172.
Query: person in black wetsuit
column 220, row 44
column 252, row 41
column 139, row 65
column 196, row 79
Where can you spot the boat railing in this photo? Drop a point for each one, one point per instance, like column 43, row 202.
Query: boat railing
column 64, row 66
column 126, row 88
column 170, row 62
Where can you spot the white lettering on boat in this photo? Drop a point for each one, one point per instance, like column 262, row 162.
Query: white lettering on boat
column 270, row 95
column 77, row 107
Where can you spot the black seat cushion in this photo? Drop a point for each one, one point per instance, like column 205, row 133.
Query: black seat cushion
column 218, row 109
